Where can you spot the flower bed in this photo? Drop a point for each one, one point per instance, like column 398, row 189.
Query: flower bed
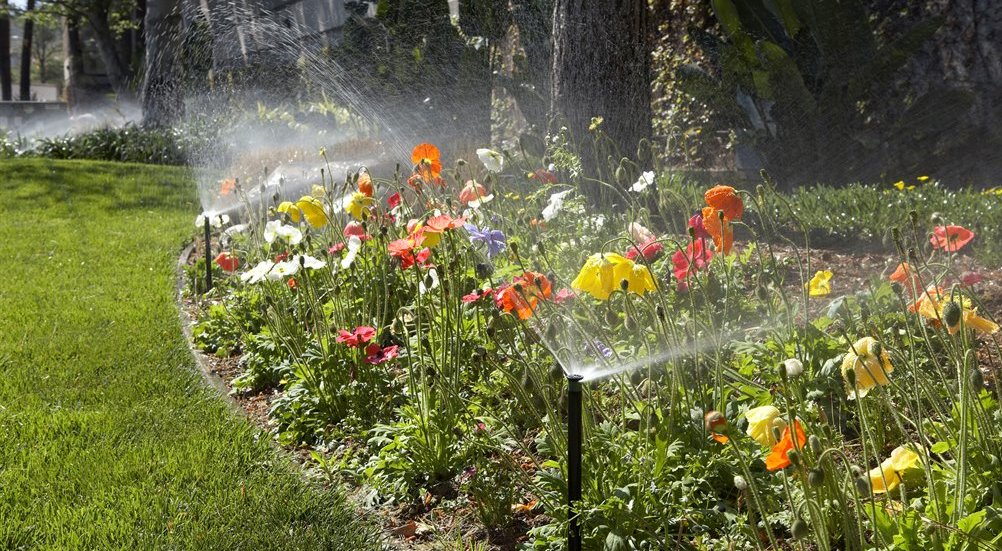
column 739, row 390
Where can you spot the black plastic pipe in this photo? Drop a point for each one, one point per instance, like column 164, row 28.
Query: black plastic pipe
column 574, row 438
column 208, row 254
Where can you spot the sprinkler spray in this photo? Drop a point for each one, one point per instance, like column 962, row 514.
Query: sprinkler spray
column 208, row 254
column 574, row 438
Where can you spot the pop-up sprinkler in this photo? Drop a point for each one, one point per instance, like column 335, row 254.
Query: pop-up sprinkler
column 574, row 438
column 208, row 254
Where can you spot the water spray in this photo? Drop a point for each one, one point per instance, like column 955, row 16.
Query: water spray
column 574, row 440
column 208, row 254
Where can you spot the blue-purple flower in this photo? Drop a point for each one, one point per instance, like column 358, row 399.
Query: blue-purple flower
column 495, row 240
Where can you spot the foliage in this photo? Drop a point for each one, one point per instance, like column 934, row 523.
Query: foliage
column 809, row 86
column 130, row 144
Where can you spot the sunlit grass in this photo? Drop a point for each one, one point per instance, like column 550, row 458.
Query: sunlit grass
column 108, row 437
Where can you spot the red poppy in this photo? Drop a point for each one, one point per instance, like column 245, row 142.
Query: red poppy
column 524, row 293
column 356, row 229
column 904, row 275
column 292, row 283
column 950, row 238
column 227, row 261
column 649, row 249
column 716, row 424
column 779, row 457
column 375, row 354
column 477, row 294
column 281, row 256
column 227, row 187
column 971, row 278
column 361, row 335
column 698, row 229
column 696, row 257
column 543, row 176
column 393, row 200
column 403, row 249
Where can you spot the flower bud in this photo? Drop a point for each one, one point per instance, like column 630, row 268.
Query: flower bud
column 815, row 478
column 740, row 483
column 799, row 529
column 815, row 443
column 621, row 174
column 951, row 313
column 624, row 284
column 792, row 367
column 977, row 380
column 660, row 311
column 937, row 218
column 862, row 486
column 794, row 456
column 913, row 216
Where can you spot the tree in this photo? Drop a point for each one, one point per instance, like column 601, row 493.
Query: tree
column 5, row 82
column 45, row 42
column 161, row 95
column 29, row 27
column 601, row 68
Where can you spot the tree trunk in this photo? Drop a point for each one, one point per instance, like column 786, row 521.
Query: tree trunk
column 5, row 83
column 601, row 68
column 117, row 71
column 161, row 95
column 73, row 63
column 29, row 26
column 531, row 88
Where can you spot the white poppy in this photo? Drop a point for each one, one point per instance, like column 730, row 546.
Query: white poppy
column 284, row 269
column 645, row 180
column 493, row 160
column 556, row 203
column 475, row 204
column 354, row 244
column 215, row 220
column 276, row 228
column 793, row 367
column 311, row 263
column 257, row 273
column 432, row 278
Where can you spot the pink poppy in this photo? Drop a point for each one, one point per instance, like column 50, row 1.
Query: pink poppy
column 375, row 354
column 699, row 231
column 473, row 191
column 361, row 335
column 950, row 238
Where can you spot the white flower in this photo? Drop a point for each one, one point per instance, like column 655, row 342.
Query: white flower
column 639, row 233
column 475, row 204
column 598, row 222
column 215, row 220
column 354, row 244
column 740, row 482
column 493, row 160
column 257, row 273
column 646, row 179
column 556, row 203
column 310, row 263
column 793, row 367
column 433, row 281
column 276, row 228
column 284, row 269
column 233, row 230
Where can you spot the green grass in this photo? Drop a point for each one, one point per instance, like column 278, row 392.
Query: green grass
column 109, row 438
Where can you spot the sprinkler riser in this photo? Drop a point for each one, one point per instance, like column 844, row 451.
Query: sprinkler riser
column 574, row 449
column 208, row 255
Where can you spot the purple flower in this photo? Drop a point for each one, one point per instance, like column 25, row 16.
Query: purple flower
column 603, row 349
column 494, row 239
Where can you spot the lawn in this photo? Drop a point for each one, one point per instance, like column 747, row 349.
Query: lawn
column 108, row 436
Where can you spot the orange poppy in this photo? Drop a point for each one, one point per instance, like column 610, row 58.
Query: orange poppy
column 904, row 275
column 427, row 157
column 719, row 230
column 365, row 183
column 779, row 459
column 227, row 187
column 725, row 198
column 950, row 238
column 523, row 295
column 715, row 423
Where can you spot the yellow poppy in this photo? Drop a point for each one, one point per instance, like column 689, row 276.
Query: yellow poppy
column 935, row 310
column 290, row 210
column 313, row 210
column 869, row 364
column 318, row 190
column 820, row 285
column 887, row 476
column 763, row 424
column 603, row 273
column 358, row 205
column 900, row 184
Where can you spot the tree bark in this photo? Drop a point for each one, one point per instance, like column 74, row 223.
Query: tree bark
column 161, row 95
column 5, row 80
column 601, row 68
column 117, row 71
column 73, row 63
column 29, row 26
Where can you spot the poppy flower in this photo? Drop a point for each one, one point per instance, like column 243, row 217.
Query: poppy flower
column 313, row 211
column 477, row 294
column 227, row 186
column 563, row 295
column 716, row 424
column 649, row 249
column 365, row 183
column 493, row 160
column 393, row 200
column 950, row 238
column 719, row 230
column 292, row 283
column 639, row 233
column 276, row 229
column 258, row 273
column 444, row 222
column 698, row 229
column 427, row 157
column 358, row 205
column 820, row 285
column 763, row 422
column 696, row 257
column 725, row 198
column 869, row 364
column 375, row 354
column 473, row 192
column 645, row 180
column 359, row 336
column 357, row 230
column 933, row 306
column 283, row 269
column 522, row 296
column 227, row 261
column 543, row 176
column 779, row 458
column 289, row 209
column 603, row 273
column 404, row 251
column 904, row 275
column 887, row 476
column 971, row 278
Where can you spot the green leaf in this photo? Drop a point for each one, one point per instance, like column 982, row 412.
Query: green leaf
column 972, row 522
column 939, row 447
